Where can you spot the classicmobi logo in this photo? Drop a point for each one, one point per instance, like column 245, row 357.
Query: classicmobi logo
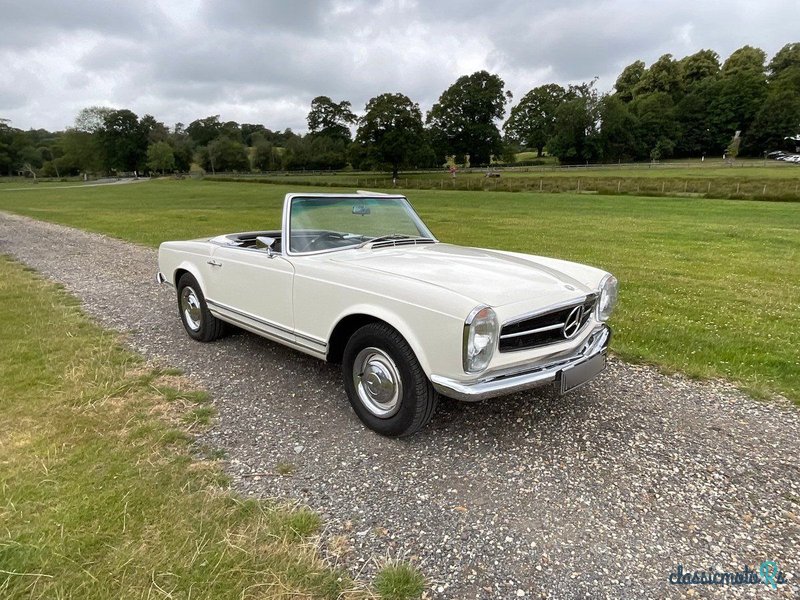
column 767, row 574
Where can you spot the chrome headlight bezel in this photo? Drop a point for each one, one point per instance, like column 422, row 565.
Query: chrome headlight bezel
column 481, row 333
column 608, row 294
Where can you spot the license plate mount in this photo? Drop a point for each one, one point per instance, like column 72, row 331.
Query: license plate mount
column 577, row 375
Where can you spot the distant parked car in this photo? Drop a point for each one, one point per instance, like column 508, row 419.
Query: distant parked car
column 359, row 279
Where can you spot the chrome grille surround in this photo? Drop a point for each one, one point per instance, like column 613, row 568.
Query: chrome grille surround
column 550, row 326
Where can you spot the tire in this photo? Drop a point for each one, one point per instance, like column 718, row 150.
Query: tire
column 197, row 320
column 385, row 383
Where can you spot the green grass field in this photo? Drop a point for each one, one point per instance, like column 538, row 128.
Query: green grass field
column 708, row 287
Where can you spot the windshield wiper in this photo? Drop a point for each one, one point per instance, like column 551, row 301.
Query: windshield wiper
column 381, row 238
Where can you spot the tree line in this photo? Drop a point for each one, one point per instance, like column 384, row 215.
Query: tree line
column 689, row 107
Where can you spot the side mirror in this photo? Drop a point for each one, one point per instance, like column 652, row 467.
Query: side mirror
column 262, row 241
column 361, row 209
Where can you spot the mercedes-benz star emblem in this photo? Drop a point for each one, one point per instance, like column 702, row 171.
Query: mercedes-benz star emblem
column 573, row 323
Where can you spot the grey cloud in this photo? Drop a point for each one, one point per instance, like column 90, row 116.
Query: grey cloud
column 265, row 60
column 303, row 16
column 28, row 24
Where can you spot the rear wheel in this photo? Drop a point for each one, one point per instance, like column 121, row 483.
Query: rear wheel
column 198, row 321
column 385, row 383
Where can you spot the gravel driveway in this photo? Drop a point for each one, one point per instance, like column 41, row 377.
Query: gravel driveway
column 597, row 494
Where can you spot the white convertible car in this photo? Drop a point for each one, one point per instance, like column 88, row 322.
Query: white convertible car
column 358, row 279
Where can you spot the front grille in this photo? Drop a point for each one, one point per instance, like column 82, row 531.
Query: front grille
column 546, row 328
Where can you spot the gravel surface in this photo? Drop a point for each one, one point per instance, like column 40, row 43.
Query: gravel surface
column 597, row 494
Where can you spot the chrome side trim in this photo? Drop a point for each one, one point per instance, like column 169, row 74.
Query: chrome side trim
column 287, row 334
column 502, row 385
column 532, row 331
column 272, row 336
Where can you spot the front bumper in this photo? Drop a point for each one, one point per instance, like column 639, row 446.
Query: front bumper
column 502, row 385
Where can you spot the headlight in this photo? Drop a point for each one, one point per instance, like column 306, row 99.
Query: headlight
column 608, row 297
column 480, row 339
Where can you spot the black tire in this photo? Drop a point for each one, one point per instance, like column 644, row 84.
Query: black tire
column 206, row 327
column 415, row 399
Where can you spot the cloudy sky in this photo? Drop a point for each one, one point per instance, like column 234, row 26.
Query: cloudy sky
column 262, row 61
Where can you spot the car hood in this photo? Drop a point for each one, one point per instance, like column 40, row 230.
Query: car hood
column 486, row 276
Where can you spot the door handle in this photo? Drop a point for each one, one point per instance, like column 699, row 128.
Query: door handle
column 214, row 263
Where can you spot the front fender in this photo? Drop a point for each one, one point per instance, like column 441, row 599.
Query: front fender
column 435, row 338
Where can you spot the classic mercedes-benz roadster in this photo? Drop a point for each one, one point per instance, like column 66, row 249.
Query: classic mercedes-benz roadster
column 358, row 279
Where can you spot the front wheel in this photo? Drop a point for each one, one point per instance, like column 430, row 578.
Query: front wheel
column 198, row 321
column 385, row 383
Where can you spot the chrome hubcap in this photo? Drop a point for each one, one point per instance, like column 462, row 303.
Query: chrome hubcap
column 190, row 308
column 377, row 382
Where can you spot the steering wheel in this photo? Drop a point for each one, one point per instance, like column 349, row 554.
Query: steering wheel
column 314, row 244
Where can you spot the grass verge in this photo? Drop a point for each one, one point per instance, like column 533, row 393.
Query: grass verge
column 398, row 581
column 101, row 496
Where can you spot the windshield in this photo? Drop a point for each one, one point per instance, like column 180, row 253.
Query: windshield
column 317, row 224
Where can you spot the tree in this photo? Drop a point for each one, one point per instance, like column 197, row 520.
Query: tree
column 92, row 118
column 330, row 119
column 155, row 130
column 657, row 127
column 777, row 119
column 699, row 66
column 463, row 120
column 664, row 75
column 784, row 69
column 82, row 152
column 203, row 131
column 576, row 126
column 123, row 141
column 628, row 80
column 745, row 60
column 232, row 130
column 160, row 157
column 6, row 156
column 224, row 154
column 532, row 120
column 787, row 57
column 617, row 140
column 264, row 158
column 738, row 95
column 249, row 130
column 391, row 131
column 696, row 135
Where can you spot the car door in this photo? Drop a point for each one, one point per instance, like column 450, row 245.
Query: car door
column 253, row 289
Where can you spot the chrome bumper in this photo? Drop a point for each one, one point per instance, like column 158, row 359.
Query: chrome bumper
column 161, row 279
column 502, row 385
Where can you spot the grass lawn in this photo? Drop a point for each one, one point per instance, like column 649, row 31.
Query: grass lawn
column 708, row 287
column 103, row 496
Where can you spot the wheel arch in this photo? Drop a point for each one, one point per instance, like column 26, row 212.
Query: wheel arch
column 348, row 324
column 184, row 268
